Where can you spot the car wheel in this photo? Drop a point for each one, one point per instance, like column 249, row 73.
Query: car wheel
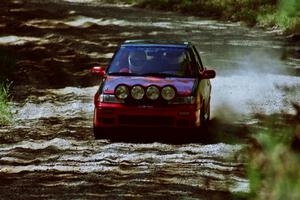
column 197, row 131
column 202, row 116
column 100, row 133
column 207, row 112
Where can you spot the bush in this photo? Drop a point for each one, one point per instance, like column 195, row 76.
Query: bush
column 273, row 169
column 7, row 67
column 284, row 14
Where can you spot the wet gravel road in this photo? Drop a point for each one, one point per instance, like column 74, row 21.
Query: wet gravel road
column 49, row 152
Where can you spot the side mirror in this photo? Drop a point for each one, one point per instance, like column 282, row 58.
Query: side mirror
column 207, row 74
column 100, row 71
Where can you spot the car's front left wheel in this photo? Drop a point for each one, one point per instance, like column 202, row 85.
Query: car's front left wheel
column 100, row 133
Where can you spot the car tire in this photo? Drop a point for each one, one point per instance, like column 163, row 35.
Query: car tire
column 100, row 133
column 202, row 116
column 198, row 130
column 207, row 112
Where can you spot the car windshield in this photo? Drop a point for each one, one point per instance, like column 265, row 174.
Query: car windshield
column 151, row 61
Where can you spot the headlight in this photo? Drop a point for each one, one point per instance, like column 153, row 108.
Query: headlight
column 168, row 93
column 109, row 98
column 137, row 92
column 152, row 92
column 122, row 92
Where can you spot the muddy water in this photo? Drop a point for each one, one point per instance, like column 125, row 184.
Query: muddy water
column 50, row 151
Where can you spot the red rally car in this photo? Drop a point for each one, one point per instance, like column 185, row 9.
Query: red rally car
column 153, row 84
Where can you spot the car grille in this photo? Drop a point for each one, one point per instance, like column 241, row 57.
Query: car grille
column 146, row 121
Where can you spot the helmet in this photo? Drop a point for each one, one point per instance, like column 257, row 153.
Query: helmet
column 175, row 58
column 137, row 60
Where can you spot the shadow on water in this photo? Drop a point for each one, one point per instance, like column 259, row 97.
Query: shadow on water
column 215, row 131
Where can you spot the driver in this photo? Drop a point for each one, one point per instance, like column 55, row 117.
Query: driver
column 137, row 60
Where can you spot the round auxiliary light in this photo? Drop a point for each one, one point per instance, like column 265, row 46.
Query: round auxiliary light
column 168, row 93
column 137, row 92
column 152, row 92
column 122, row 92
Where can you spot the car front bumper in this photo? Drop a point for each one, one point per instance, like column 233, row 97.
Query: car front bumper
column 120, row 115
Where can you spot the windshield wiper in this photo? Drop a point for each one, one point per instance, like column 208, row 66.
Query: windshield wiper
column 161, row 74
column 122, row 74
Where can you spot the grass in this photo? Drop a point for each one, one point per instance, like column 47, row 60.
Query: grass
column 7, row 68
column 286, row 16
column 5, row 114
column 273, row 169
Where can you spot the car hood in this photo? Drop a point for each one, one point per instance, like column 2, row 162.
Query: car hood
column 184, row 86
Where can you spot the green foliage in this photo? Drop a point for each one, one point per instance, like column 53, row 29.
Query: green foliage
column 286, row 16
column 246, row 10
column 5, row 114
column 274, row 168
column 290, row 8
column 7, row 67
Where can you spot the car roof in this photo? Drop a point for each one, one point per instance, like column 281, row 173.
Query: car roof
column 160, row 43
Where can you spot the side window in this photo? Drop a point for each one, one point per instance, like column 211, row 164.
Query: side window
column 197, row 58
column 189, row 67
